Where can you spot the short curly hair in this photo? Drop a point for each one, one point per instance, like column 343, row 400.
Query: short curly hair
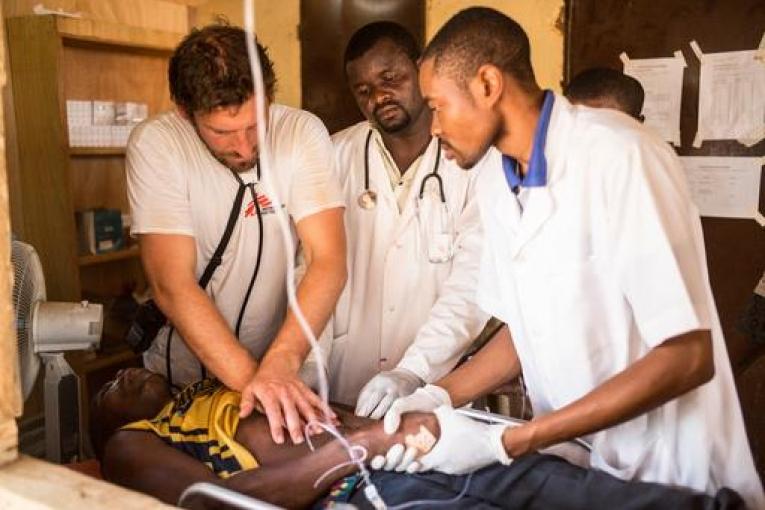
column 477, row 36
column 600, row 83
column 367, row 36
column 210, row 69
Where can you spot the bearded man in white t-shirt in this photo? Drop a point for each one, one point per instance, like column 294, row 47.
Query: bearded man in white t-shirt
column 185, row 168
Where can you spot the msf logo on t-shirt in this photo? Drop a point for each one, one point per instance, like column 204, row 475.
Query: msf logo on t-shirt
column 266, row 206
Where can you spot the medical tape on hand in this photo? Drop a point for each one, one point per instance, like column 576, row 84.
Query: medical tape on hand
column 423, row 441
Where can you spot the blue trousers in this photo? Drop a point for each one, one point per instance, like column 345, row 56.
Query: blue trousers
column 541, row 482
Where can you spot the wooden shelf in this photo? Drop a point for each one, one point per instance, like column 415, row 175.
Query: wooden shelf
column 101, row 32
column 53, row 58
column 96, row 151
column 128, row 253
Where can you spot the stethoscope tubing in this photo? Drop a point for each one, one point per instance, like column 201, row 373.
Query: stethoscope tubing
column 431, row 175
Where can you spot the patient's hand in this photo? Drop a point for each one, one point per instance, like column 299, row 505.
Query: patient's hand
column 401, row 448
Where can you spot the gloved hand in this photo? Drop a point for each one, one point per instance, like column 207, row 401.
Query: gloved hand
column 379, row 393
column 464, row 445
column 424, row 399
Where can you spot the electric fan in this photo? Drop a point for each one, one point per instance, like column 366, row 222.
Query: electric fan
column 44, row 330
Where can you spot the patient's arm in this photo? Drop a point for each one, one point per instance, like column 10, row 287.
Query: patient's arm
column 141, row 461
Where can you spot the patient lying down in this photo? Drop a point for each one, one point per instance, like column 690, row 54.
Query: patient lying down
column 154, row 443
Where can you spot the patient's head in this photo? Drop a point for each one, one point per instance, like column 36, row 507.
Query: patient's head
column 134, row 394
column 600, row 87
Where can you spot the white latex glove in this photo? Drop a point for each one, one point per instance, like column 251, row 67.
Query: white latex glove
column 398, row 458
column 424, row 399
column 463, row 446
column 379, row 393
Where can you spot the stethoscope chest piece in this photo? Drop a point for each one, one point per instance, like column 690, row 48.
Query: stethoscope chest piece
column 368, row 199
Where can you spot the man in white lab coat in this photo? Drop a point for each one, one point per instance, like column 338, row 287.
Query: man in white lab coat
column 594, row 257
column 408, row 311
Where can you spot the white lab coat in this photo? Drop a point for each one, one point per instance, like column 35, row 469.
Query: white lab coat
column 605, row 263
column 398, row 308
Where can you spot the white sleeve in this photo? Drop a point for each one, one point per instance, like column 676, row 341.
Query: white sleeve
column 156, row 184
column 455, row 319
column 655, row 236
column 314, row 187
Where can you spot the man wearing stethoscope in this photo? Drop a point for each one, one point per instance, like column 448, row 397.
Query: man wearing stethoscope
column 407, row 313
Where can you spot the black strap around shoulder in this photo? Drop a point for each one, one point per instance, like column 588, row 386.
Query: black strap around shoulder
column 214, row 261
column 217, row 256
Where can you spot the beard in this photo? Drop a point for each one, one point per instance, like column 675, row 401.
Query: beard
column 467, row 161
column 394, row 124
column 228, row 159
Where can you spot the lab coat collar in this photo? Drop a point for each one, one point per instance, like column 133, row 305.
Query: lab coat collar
column 539, row 208
column 541, row 203
column 537, row 171
column 379, row 175
column 425, row 167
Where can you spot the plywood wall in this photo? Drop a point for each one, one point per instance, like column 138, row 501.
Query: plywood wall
column 155, row 14
column 10, row 391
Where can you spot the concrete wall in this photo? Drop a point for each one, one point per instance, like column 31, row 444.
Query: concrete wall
column 277, row 28
column 540, row 19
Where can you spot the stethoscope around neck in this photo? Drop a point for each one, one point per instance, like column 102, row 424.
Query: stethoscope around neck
column 368, row 198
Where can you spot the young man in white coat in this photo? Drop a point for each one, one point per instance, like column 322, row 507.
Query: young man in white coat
column 408, row 311
column 594, row 257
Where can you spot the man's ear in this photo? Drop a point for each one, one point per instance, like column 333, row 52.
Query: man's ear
column 487, row 85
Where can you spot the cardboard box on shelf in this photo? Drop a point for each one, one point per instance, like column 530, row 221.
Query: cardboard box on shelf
column 100, row 230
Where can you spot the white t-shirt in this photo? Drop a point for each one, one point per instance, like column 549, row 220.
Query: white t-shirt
column 606, row 262
column 175, row 186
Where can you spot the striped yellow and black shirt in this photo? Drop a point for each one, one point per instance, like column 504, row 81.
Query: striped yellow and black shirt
column 201, row 421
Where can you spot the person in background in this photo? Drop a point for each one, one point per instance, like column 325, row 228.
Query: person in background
column 408, row 311
column 193, row 171
column 601, row 87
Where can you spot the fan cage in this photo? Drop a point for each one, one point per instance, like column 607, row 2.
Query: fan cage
column 28, row 288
